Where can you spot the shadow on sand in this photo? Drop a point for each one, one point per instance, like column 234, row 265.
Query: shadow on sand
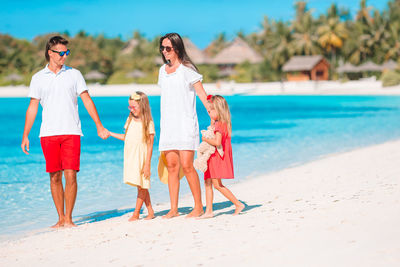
column 104, row 215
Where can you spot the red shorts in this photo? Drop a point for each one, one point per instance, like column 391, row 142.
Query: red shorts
column 62, row 152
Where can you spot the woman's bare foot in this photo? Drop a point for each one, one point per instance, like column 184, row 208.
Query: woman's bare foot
column 59, row 224
column 195, row 213
column 239, row 209
column 206, row 215
column 171, row 214
column 134, row 217
column 150, row 216
column 69, row 224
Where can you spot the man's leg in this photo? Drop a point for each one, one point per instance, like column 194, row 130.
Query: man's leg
column 57, row 193
column 71, row 188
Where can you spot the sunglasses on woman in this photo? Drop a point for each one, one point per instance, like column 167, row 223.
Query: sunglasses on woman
column 168, row 48
column 61, row 53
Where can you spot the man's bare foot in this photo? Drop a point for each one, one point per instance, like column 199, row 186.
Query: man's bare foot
column 171, row 214
column 150, row 216
column 134, row 217
column 206, row 215
column 69, row 224
column 195, row 213
column 59, row 224
column 239, row 209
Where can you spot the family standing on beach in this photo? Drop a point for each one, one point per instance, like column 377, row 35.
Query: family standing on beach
column 57, row 88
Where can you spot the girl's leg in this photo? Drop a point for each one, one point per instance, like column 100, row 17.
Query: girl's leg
column 186, row 159
column 228, row 194
column 147, row 202
column 209, row 200
column 139, row 202
column 172, row 158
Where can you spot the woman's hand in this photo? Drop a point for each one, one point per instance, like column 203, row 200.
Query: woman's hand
column 146, row 171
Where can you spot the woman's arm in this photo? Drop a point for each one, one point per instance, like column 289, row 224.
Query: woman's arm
column 215, row 141
column 202, row 94
column 118, row 136
column 147, row 164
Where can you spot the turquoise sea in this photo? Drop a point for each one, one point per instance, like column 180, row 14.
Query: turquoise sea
column 269, row 133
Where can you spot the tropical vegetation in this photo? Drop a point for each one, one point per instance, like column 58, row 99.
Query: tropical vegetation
column 369, row 35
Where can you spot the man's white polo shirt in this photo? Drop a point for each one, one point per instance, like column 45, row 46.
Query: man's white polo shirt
column 58, row 95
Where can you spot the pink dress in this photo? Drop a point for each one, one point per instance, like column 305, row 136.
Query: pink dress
column 217, row 166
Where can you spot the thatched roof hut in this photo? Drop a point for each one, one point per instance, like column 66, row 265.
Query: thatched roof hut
column 129, row 46
column 95, row 75
column 389, row 65
column 347, row 68
column 369, row 66
column 14, row 77
column 235, row 53
column 195, row 54
column 301, row 63
column 135, row 74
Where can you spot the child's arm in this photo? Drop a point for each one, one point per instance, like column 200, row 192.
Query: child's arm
column 118, row 136
column 214, row 141
column 146, row 167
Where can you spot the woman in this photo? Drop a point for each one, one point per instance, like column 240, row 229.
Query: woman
column 179, row 135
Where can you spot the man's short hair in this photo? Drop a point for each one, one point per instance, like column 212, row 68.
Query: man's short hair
column 53, row 41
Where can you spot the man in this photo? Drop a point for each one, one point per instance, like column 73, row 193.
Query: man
column 56, row 88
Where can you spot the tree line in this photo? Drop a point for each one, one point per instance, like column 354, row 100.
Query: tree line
column 368, row 35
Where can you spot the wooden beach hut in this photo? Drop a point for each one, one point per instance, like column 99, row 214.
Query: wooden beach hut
column 305, row 68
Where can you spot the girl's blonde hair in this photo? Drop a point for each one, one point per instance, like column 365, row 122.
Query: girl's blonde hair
column 144, row 115
column 221, row 106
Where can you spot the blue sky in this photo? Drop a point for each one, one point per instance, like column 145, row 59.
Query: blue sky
column 200, row 20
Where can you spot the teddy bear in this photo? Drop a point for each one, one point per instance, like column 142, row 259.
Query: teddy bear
column 205, row 150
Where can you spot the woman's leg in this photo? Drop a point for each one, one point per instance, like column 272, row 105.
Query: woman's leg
column 209, row 200
column 228, row 194
column 172, row 157
column 141, row 195
column 147, row 202
column 186, row 160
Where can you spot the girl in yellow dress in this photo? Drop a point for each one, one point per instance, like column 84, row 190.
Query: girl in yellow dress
column 138, row 149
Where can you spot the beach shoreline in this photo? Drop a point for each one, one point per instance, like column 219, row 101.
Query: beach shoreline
column 340, row 210
column 363, row 87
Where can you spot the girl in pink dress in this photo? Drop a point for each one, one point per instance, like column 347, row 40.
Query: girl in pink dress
column 219, row 167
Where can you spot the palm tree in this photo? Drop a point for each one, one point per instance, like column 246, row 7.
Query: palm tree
column 332, row 34
column 304, row 31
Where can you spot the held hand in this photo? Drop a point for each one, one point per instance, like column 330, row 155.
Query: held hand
column 25, row 145
column 103, row 133
column 203, row 139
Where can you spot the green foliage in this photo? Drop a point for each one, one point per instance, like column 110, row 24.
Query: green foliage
column 390, row 78
column 372, row 35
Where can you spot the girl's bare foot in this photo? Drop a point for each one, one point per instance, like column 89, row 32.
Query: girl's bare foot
column 171, row 214
column 206, row 215
column 150, row 216
column 134, row 217
column 59, row 224
column 195, row 213
column 239, row 209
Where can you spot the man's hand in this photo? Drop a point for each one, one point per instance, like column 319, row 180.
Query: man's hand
column 103, row 132
column 25, row 145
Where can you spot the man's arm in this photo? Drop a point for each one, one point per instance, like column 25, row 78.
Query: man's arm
column 91, row 108
column 29, row 120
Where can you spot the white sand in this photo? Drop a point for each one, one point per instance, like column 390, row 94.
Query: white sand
column 342, row 210
column 362, row 87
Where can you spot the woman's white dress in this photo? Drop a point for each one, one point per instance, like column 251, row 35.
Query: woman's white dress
column 179, row 127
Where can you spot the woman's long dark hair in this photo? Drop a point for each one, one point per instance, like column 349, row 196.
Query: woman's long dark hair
column 179, row 48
